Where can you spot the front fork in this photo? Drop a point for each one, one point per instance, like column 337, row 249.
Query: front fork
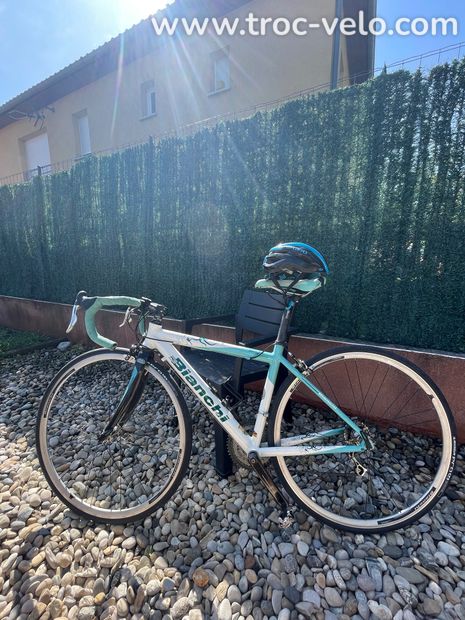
column 131, row 397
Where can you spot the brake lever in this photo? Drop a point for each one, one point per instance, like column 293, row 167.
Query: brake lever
column 74, row 312
column 127, row 317
column 74, row 318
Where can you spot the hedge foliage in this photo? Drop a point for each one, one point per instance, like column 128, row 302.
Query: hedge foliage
column 372, row 175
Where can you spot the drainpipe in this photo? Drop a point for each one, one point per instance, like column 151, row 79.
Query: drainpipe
column 336, row 46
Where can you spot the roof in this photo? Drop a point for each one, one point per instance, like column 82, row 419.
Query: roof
column 138, row 41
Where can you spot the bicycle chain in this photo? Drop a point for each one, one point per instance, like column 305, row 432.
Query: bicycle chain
column 236, row 453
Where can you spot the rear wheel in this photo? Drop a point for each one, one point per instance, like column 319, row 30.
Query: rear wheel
column 134, row 470
column 405, row 418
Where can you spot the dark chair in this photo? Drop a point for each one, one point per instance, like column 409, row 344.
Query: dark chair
column 259, row 314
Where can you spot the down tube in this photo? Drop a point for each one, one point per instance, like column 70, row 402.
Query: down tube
column 321, row 396
column 204, row 394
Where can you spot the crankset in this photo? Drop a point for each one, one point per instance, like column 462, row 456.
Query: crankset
column 285, row 518
column 237, row 454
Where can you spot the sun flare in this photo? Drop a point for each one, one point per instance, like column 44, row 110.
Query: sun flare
column 132, row 11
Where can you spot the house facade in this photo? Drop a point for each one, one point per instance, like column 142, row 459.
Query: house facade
column 141, row 84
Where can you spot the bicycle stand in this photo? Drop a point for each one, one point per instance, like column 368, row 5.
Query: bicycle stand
column 223, row 462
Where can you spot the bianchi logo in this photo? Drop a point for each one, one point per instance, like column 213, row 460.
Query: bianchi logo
column 196, row 387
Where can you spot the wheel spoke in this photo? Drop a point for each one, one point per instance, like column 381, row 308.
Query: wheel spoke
column 122, row 476
column 378, row 488
column 351, row 386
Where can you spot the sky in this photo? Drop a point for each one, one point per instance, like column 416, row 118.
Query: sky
column 39, row 38
column 390, row 49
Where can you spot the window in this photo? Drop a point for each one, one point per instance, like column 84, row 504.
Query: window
column 149, row 99
column 221, row 73
column 37, row 154
column 81, row 128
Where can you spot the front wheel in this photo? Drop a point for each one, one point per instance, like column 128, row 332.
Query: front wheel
column 407, row 425
column 139, row 465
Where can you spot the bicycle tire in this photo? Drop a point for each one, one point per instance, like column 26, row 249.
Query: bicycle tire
column 341, row 521
column 68, row 495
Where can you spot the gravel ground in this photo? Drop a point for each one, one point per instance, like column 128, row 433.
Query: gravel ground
column 215, row 551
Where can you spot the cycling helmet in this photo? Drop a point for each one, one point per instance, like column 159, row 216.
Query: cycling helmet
column 296, row 259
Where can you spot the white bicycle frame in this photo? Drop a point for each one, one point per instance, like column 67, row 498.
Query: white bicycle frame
column 165, row 342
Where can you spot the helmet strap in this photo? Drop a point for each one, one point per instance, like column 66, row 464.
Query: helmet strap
column 275, row 281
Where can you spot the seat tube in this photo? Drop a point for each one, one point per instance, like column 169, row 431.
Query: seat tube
column 268, row 391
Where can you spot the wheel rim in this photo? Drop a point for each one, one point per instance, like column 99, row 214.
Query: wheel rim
column 136, row 467
column 356, row 509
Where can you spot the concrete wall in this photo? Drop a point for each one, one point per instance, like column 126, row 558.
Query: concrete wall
column 262, row 69
column 446, row 369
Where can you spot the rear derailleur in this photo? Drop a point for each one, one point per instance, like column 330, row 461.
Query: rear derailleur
column 360, row 469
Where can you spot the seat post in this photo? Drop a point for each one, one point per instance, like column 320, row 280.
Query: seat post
column 286, row 319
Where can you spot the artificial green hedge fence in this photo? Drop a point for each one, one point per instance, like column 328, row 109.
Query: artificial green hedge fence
column 372, row 175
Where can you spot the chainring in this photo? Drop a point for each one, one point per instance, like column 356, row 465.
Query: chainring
column 237, row 454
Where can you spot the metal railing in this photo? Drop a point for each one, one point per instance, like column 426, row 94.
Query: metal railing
column 424, row 62
column 28, row 175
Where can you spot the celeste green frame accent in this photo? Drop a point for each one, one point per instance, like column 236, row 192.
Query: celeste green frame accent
column 165, row 341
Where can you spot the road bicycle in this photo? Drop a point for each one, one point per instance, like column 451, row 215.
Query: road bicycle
column 359, row 437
